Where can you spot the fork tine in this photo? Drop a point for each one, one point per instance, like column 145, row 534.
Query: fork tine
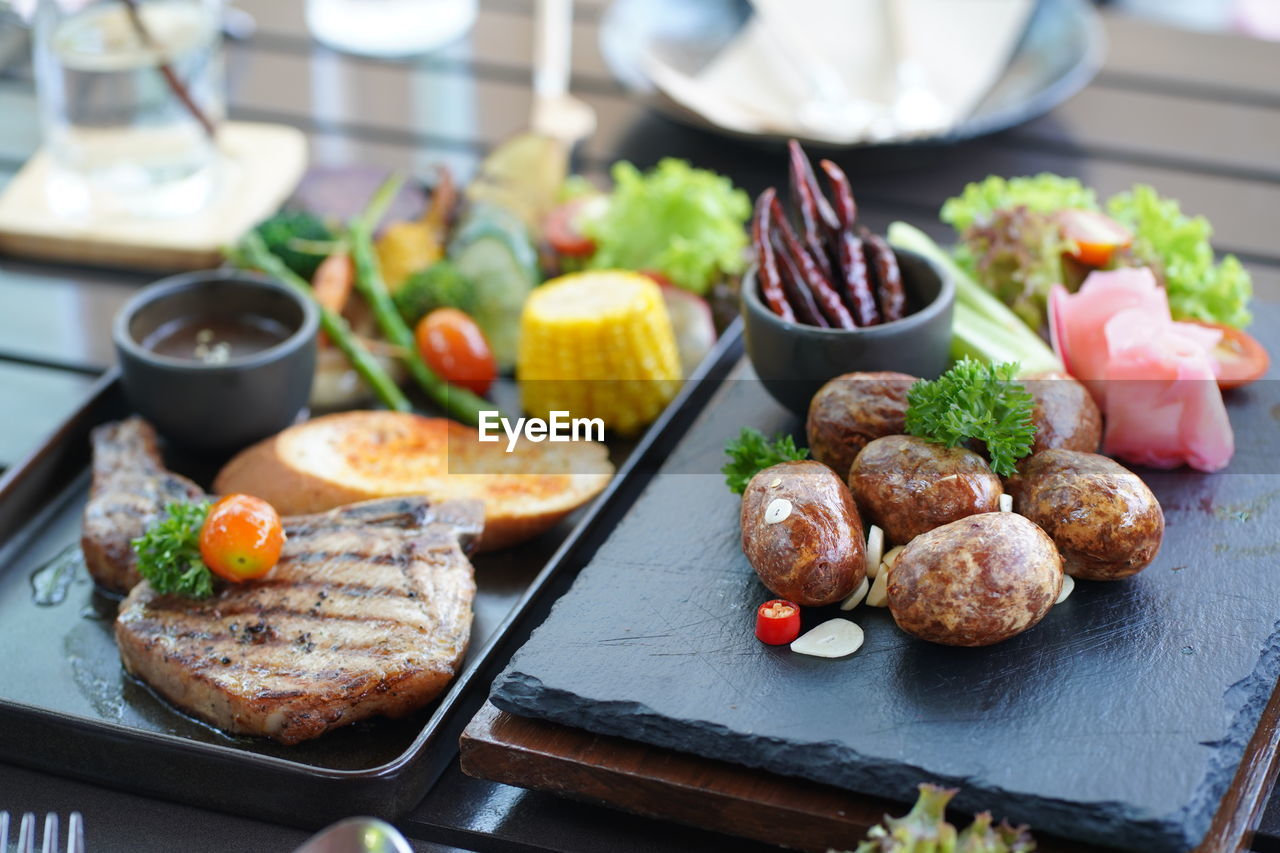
column 49, row 844
column 27, row 834
column 75, row 833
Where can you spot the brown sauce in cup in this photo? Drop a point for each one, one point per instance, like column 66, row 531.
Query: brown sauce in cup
column 214, row 340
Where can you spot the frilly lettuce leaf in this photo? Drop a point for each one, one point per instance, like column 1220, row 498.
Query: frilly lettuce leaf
column 1177, row 247
column 1043, row 193
column 1009, row 240
column 687, row 223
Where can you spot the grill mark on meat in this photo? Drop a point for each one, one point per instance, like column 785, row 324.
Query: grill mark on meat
column 353, row 622
column 351, row 556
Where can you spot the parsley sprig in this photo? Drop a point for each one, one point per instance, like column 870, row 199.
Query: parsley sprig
column 975, row 401
column 751, row 453
column 169, row 552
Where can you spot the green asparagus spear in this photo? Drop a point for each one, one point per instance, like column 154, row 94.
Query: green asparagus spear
column 253, row 252
column 459, row 402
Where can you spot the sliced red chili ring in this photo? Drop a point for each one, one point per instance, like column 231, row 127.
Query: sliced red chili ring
column 777, row 622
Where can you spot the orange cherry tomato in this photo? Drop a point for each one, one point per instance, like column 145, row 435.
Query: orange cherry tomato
column 1096, row 236
column 454, row 347
column 1238, row 358
column 241, row 538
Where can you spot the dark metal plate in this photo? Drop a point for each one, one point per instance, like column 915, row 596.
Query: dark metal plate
column 66, row 705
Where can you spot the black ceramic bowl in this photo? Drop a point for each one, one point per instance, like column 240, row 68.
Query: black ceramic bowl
column 217, row 406
column 793, row 360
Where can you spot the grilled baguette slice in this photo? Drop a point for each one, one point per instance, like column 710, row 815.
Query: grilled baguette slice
column 354, row 456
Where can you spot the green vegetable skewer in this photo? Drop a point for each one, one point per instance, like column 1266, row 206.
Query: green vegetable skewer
column 253, row 252
column 458, row 402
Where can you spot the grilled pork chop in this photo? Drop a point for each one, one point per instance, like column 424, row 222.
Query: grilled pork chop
column 368, row 612
column 130, row 490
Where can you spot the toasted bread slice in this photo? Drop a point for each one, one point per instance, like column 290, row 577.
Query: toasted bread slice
column 357, row 456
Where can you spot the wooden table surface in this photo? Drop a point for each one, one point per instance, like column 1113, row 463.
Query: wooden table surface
column 1195, row 115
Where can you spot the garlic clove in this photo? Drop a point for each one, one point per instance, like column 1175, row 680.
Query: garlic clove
column 1068, row 586
column 855, row 598
column 834, row 638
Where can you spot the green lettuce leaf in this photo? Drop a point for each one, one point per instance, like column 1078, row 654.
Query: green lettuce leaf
column 1043, row 193
column 1177, row 247
column 686, row 223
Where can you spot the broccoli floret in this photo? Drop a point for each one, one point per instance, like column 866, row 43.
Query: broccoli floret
column 281, row 230
column 438, row 286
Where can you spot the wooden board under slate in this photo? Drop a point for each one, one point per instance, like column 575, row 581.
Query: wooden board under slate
column 1121, row 719
column 668, row 785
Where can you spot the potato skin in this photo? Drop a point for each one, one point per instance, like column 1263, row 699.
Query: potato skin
column 1065, row 414
column 852, row 410
column 817, row 554
column 1103, row 518
column 909, row 486
column 976, row 581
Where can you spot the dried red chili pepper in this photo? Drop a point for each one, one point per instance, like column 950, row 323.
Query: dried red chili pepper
column 857, row 286
column 893, row 299
column 825, row 295
column 816, row 216
column 770, row 282
column 846, row 208
column 798, row 293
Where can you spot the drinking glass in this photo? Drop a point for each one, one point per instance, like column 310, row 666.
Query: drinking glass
column 130, row 96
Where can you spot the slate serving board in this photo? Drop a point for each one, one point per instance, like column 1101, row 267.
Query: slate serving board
column 1119, row 720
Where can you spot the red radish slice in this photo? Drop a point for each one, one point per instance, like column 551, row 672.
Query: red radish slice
column 691, row 321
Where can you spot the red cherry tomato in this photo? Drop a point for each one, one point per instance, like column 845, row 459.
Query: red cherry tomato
column 777, row 622
column 454, row 347
column 1096, row 237
column 1238, row 358
column 561, row 230
column 241, row 538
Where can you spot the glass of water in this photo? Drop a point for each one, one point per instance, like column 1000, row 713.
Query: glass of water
column 130, row 95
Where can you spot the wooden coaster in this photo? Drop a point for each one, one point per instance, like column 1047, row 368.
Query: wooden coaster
column 264, row 163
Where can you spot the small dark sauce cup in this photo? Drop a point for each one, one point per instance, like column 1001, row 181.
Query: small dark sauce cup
column 222, row 406
column 794, row 360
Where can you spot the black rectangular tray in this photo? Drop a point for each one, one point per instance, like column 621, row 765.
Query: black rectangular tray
column 67, row 707
column 1122, row 719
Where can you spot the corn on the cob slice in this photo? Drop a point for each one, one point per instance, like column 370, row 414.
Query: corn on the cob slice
column 598, row 344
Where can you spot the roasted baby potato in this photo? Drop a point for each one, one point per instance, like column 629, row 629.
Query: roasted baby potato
column 976, row 581
column 801, row 533
column 852, row 410
column 1103, row 518
column 1065, row 414
column 909, row 486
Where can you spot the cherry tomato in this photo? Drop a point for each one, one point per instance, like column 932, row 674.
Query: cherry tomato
column 777, row 622
column 1238, row 358
column 241, row 538
column 454, row 347
column 561, row 230
column 1096, row 237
